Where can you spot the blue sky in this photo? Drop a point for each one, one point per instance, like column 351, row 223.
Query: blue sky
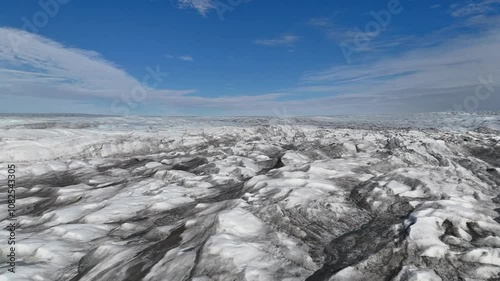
column 236, row 57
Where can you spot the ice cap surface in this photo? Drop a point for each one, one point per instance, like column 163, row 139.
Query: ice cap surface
column 240, row 198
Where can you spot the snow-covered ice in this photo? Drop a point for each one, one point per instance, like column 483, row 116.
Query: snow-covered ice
column 245, row 198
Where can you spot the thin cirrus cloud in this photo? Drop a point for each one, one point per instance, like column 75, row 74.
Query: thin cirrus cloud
column 39, row 71
column 186, row 58
column 473, row 8
column 431, row 73
column 30, row 63
column 33, row 65
column 324, row 21
column 423, row 78
column 282, row 40
column 183, row 58
column 420, row 79
column 202, row 6
column 478, row 14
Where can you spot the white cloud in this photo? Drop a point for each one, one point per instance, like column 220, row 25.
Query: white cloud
column 282, row 40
